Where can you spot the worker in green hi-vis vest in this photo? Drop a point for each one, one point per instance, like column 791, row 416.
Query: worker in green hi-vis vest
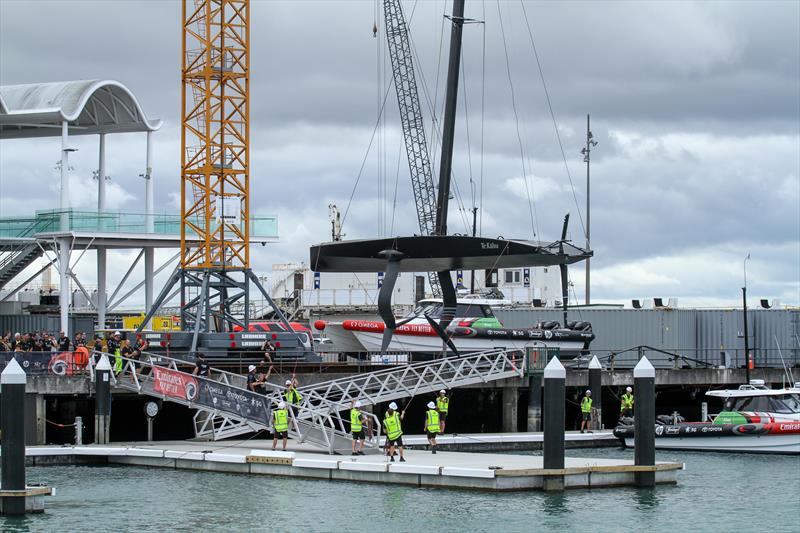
column 357, row 420
column 432, row 425
column 586, row 411
column 280, row 425
column 393, row 425
column 443, row 406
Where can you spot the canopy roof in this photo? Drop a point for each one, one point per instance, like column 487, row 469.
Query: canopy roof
column 89, row 106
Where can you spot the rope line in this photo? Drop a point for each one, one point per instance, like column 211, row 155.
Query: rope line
column 552, row 115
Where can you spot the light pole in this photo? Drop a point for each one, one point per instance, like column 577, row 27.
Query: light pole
column 744, row 310
column 587, row 151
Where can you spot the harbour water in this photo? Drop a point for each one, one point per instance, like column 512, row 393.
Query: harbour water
column 718, row 492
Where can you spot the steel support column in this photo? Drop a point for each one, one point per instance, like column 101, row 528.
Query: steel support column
column 63, row 203
column 148, row 187
column 101, row 288
column 149, row 262
column 64, row 295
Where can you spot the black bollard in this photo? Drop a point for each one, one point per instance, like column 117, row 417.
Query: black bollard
column 535, row 402
column 644, row 382
column 555, row 378
column 102, row 400
column 596, row 386
column 12, row 388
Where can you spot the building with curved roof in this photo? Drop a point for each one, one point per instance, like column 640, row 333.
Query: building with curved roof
column 87, row 106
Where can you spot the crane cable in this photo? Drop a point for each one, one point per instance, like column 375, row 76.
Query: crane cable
column 552, row 114
column 531, row 203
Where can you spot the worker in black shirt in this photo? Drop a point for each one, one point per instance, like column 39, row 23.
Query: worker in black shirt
column 63, row 343
column 201, row 367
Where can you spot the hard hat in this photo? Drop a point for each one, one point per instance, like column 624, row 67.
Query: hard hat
column 442, row 391
column 589, row 392
column 116, row 333
column 357, row 404
column 288, row 382
column 393, row 406
column 431, row 405
column 251, row 368
column 281, row 405
column 629, row 389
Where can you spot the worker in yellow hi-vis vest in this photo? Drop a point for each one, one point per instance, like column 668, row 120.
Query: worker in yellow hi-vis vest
column 432, row 425
column 443, row 406
column 393, row 426
column 586, row 411
column 357, row 419
column 280, row 425
column 626, row 407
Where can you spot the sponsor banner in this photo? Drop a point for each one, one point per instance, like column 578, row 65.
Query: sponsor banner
column 243, row 403
column 317, row 283
column 211, row 394
column 526, row 277
column 174, row 384
column 716, row 430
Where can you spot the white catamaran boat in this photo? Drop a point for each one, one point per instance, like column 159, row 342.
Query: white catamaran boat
column 755, row 419
column 474, row 328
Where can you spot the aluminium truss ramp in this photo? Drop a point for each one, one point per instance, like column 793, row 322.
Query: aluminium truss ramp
column 225, row 408
column 406, row 381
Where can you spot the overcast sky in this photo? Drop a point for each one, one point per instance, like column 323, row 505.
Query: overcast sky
column 696, row 107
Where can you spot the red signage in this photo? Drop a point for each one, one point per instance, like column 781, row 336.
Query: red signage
column 174, row 384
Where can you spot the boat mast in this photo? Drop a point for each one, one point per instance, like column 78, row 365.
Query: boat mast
column 448, row 129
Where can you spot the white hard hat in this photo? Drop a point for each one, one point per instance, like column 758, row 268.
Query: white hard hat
column 431, row 405
column 629, row 389
column 288, row 382
column 442, row 391
column 357, row 404
column 251, row 368
column 116, row 333
column 393, row 406
column 281, row 405
column 589, row 392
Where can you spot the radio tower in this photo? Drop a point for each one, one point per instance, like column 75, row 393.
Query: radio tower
column 214, row 273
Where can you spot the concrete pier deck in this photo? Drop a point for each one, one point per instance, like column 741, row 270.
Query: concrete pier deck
column 460, row 470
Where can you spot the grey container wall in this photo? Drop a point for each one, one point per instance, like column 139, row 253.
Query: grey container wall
column 696, row 333
column 51, row 324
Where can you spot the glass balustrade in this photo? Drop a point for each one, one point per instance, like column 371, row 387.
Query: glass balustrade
column 59, row 221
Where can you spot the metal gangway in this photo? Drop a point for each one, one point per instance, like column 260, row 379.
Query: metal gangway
column 326, row 401
column 322, row 415
column 224, row 406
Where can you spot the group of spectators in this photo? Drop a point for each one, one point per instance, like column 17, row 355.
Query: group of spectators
column 42, row 341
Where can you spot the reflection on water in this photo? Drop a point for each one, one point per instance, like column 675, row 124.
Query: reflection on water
column 105, row 498
column 647, row 499
column 555, row 503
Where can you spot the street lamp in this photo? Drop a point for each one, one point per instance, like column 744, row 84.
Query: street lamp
column 744, row 310
column 586, row 152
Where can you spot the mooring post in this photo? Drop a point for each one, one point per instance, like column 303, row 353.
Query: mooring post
column 12, row 388
column 555, row 377
column 535, row 402
column 644, row 381
column 596, row 386
column 102, row 394
column 78, row 431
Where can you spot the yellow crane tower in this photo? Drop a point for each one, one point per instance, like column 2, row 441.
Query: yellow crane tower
column 214, row 275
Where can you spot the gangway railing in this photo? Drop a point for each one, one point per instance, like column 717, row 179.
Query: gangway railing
column 226, row 409
column 373, row 388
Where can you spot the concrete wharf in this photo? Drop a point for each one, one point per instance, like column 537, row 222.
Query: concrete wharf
column 455, row 470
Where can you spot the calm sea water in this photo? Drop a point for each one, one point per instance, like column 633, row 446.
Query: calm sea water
column 717, row 492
